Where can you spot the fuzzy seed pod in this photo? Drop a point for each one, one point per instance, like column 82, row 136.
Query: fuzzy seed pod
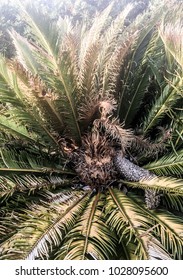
column 134, row 173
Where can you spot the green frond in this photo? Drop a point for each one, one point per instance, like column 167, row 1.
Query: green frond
column 13, row 184
column 168, row 185
column 36, row 124
column 57, row 61
column 168, row 165
column 167, row 228
column 22, row 162
column 90, row 238
column 13, row 93
column 115, row 44
column 25, row 53
column 173, row 202
column 8, row 126
column 8, row 93
column 177, row 129
column 136, row 71
column 132, row 224
column 171, row 229
column 39, row 97
column 7, row 187
column 171, row 93
column 21, row 172
column 34, row 238
column 65, row 86
column 87, row 71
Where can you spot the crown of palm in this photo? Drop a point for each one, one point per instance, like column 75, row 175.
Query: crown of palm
column 90, row 118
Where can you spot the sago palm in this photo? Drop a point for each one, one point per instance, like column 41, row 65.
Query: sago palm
column 91, row 154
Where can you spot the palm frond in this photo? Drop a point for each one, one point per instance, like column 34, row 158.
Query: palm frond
column 45, row 32
column 59, row 73
column 7, row 187
column 17, row 106
column 132, row 225
column 173, row 202
column 115, row 44
column 136, row 69
column 170, row 94
column 39, row 97
column 167, row 228
column 14, row 159
column 25, row 54
column 8, row 93
column 171, row 33
column 168, row 165
column 177, row 129
column 173, row 229
column 9, row 127
column 90, row 237
column 168, row 185
column 55, row 221
column 11, row 185
column 94, row 34
column 21, row 172
column 101, row 63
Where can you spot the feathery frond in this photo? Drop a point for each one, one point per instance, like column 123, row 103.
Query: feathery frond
column 168, row 165
column 167, row 229
column 90, row 237
column 54, row 222
column 170, row 95
column 136, row 71
column 171, row 33
column 132, row 224
column 166, row 184
column 59, row 59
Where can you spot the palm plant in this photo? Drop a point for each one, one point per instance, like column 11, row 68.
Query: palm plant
column 91, row 140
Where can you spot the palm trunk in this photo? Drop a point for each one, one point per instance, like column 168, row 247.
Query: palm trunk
column 134, row 173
